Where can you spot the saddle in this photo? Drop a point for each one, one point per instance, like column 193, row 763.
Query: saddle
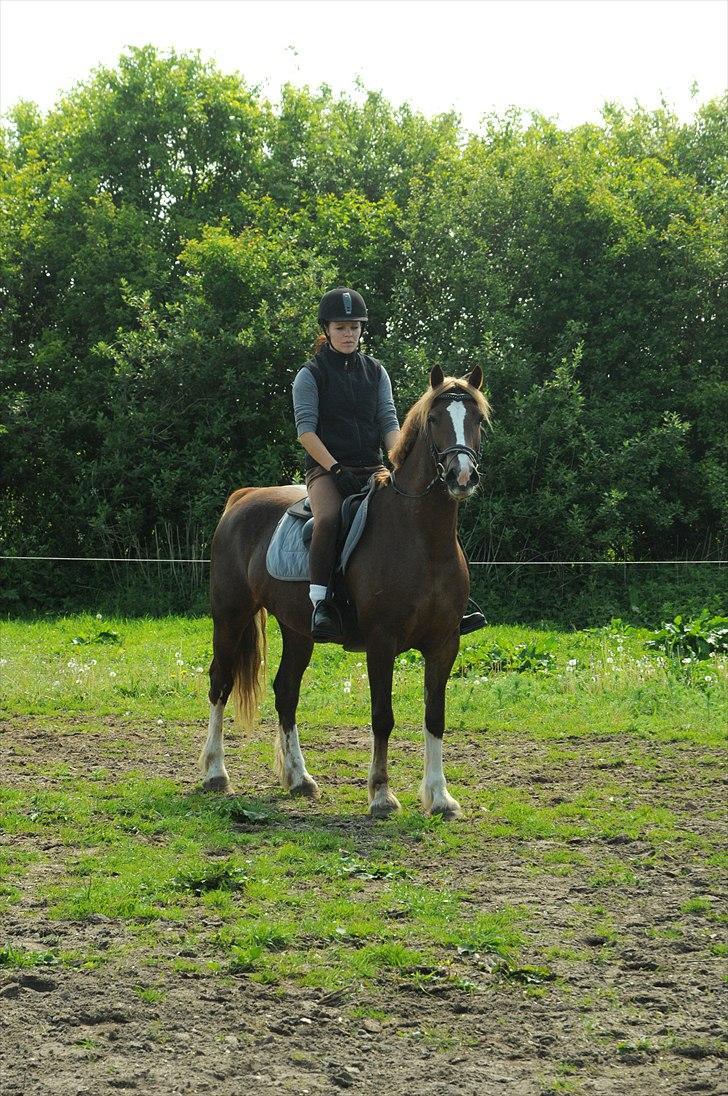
column 349, row 510
column 287, row 556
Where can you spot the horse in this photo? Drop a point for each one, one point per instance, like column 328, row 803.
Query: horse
column 407, row 578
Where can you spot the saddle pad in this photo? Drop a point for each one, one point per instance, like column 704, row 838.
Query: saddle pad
column 287, row 555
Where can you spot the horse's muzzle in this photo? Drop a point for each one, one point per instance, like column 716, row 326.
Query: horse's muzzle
column 462, row 482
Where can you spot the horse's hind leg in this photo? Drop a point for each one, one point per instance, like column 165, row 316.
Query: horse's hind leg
column 227, row 634
column 289, row 763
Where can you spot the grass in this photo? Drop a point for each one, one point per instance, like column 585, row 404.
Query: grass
column 601, row 680
column 256, row 889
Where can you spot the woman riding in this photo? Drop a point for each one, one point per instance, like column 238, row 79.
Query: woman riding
column 343, row 406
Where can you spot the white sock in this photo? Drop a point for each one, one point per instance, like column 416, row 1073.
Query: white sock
column 316, row 593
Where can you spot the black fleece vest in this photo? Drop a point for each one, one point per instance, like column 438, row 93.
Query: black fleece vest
column 348, row 389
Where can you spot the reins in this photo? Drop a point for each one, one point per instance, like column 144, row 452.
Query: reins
column 439, row 454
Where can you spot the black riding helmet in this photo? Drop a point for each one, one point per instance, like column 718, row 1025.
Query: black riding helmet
column 342, row 304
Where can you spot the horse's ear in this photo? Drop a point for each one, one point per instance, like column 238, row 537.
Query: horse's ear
column 475, row 377
column 436, row 376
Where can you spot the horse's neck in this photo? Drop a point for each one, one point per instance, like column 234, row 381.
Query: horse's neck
column 435, row 513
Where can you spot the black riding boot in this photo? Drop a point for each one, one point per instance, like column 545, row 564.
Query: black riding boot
column 326, row 626
column 472, row 621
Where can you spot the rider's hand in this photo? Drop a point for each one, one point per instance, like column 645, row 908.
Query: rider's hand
column 346, row 482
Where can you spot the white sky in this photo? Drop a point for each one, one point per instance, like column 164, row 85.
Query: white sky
column 564, row 58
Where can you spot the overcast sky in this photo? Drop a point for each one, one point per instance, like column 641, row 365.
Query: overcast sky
column 564, row 58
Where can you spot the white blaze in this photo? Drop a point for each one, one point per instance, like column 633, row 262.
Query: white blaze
column 457, row 413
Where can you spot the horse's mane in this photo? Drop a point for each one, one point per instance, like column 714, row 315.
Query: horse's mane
column 416, row 417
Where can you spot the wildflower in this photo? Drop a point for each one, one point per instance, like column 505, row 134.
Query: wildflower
column 708, row 677
column 347, row 686
column 199, row 670
column 571, row 664
column 112, row 673
column 98, row 616
column 180, row 662
column 3, row 662
column 160, row 722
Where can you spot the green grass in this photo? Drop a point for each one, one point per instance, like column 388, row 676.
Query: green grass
column 255, row 890
column 597, row 681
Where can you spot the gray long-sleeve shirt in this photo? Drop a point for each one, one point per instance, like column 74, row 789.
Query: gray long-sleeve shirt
column 306, row 403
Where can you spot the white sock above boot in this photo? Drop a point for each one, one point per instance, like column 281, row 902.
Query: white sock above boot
column 316, row 593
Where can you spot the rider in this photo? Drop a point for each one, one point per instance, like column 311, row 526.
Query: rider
column 343, row 406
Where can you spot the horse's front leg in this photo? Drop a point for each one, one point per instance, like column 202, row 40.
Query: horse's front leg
column 433, row 792
column 380, row 667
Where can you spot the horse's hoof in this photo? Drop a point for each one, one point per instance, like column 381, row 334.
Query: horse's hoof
column 448, row 812
column 308, row 788
column 218, row 784
column 384, row 806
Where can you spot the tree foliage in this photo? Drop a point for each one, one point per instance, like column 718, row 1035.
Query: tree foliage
column 166, row 233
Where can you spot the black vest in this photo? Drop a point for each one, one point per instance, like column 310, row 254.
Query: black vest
column 348, row 390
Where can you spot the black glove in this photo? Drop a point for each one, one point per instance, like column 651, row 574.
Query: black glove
column 346, row 482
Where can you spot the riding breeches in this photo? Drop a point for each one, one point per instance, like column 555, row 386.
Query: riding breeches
column 325, row 503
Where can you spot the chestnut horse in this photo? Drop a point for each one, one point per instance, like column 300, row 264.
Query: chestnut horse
column 408, row 580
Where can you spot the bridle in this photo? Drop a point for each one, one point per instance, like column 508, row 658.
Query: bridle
column 439, row 454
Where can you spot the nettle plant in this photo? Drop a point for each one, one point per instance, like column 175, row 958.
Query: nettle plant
column 701, row 638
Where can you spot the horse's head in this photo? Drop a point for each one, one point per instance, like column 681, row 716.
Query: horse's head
column 454, row 422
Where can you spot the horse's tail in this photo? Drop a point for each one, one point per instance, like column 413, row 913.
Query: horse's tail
column 249, row 671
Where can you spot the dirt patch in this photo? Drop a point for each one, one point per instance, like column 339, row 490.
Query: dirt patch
column 616, row 991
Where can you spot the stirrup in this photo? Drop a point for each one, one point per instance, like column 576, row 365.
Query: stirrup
column 471, row 622
column 326, row 624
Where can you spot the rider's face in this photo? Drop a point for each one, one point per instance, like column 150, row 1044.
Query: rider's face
column 344, row 335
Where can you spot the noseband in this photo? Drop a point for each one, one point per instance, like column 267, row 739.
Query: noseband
column 439, row 454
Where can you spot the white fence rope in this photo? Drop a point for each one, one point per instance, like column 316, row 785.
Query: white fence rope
column 472, row 563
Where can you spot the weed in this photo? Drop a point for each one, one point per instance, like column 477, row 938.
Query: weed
column 211, row 877
column 20, row 957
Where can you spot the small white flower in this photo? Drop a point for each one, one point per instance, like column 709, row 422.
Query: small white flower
column 98, row 616
column 3, row 662
column 347, row 686
column 686, row 661
column 112, row 673
column 199, row 670
column 93, row 662
column 708, row 677
column 160, row 722
column 180, row 662
column 610, row 660
column 127, row 713
column 56, row 684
